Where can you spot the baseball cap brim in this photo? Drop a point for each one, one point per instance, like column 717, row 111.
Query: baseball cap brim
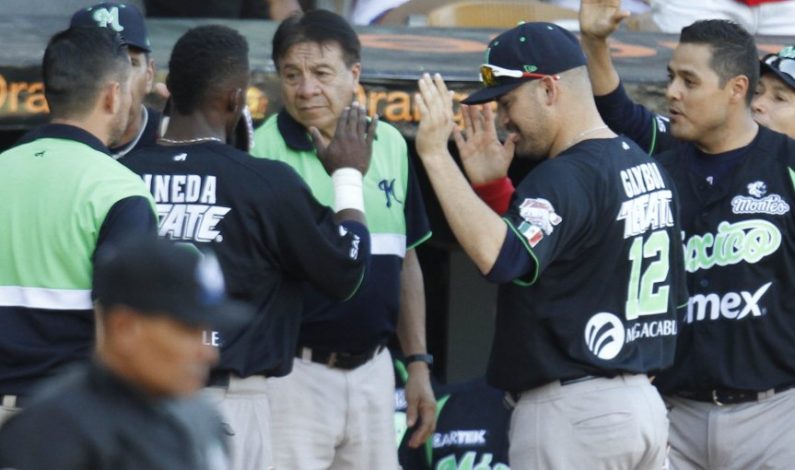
column 484, row 95
column 784, row 77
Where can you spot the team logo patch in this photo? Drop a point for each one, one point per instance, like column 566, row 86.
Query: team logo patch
column 604, row 335
column 108, row 18
column 541, row 213
column 388, row 187
column 758, row 202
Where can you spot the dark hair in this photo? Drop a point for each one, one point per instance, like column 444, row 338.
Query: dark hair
column 733, row 50
column 318, row 26
column 204, row 59
column 77, row 63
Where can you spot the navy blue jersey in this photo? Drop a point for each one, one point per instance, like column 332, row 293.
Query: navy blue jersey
column 651, row 131
column 269, row 234
column 472, row 421
column 739, row 328
column 601, row 224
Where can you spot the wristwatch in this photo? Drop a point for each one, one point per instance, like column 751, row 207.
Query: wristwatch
column 426, row 358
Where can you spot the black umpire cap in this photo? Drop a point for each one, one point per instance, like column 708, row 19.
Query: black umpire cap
column 125, row 19
column 526, row 52
column 158, row 277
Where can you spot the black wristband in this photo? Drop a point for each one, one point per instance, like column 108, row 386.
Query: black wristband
column 426, row 358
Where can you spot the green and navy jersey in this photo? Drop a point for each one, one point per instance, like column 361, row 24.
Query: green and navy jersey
column 65, row 199
column 269, row 234
column 739, row 328
column 600, row 222
column 395, row 217
column 472, row 420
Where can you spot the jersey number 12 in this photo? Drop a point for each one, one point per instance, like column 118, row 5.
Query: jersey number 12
column 642, row 299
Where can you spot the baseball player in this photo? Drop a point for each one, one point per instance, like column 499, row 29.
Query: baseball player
column 65, row 201
column 587, row 255
column 270, row 235
column 773, row 103
column 471, row 427
column 734, row 371
column 144, row 121
column 335, row 409
column 134, row 406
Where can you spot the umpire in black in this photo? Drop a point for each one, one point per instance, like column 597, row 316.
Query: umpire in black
column 133, row 407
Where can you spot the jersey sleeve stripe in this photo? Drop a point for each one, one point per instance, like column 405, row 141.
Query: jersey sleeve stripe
column 388, row 244
column 792, row 176
column 521, row 237
column 41, row 297
column 420, row 241
column 653, row 135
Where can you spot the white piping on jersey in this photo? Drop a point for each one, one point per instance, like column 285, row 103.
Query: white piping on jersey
column 388, row 244
column 42, row 297
column 144, row 121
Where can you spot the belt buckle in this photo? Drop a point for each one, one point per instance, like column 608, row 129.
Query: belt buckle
column 715, row 398
column 332, row 360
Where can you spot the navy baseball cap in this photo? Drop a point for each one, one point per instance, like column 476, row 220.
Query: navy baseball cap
column 782, row 65
column 526, row 52
column 125, row 19
column 159, row 277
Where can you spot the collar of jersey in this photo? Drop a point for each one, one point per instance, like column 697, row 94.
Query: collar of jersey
column 295, row 134
column 65, row 131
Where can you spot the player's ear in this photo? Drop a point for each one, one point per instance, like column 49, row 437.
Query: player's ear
column 110, row 99
column 551, row 92
column 235, row 100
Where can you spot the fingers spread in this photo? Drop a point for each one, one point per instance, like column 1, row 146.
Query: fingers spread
column 318, row 140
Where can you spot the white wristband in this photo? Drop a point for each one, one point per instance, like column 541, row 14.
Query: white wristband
column 348, row 189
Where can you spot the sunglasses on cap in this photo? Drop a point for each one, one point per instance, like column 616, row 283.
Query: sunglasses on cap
column 489, row 74
column 782, row 64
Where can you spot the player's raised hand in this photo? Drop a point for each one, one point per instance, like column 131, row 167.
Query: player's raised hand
column 352, row 144
column 484, row 157
column 600, row 18
column 436, row 108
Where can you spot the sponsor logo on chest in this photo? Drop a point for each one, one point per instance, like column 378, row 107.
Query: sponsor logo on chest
column 606, row 335
column 759, row 202
column 460, row 437
column 730, row 306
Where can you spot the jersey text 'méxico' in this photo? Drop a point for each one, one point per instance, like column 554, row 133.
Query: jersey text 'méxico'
column 601, row 222
column 269, row 234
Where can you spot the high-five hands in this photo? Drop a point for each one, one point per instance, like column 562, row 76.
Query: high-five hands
column 436, row 108
column 484, row 158
column 600, row 18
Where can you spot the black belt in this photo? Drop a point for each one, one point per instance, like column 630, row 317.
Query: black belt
column 219, row 378
column 575, row 380
column 339, row 360
column 728, row 396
